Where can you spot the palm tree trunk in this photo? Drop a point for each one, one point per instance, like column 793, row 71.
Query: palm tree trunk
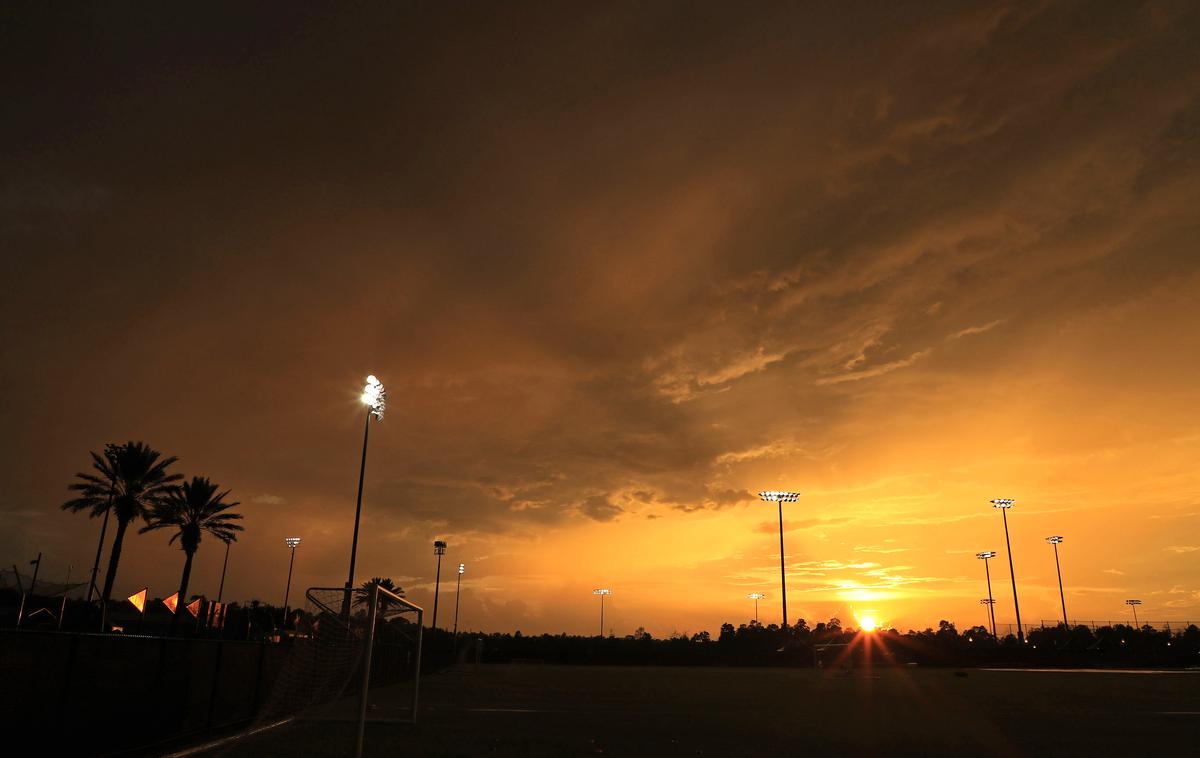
column 110, row 578
column 183, row 584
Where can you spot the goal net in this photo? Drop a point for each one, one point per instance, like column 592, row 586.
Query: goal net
column 334, row 655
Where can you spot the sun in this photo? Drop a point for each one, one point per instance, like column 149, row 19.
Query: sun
column 868, row 623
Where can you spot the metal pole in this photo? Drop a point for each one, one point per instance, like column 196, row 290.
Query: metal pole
column 99, row 549
column 782, row 573
column 756, row 610
column 1136, row 625
column 288, row 592
column 437, row 583
column 362, row 470
column 1061, row 596
column 457, row 593
column 991, row 602
column 602, row 616
column 1012, row 574
column 362, row 701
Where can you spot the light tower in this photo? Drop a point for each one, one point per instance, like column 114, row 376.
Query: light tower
column 602, row 593
column 1055, row 541
column 774, row 496
column 293, row 543
column 756, row 596
column 987, row 572
column 1004, row 504
column 374, row 396
column 1133, row 604
column 989, row 602
column 458, row 591
column 439, row 549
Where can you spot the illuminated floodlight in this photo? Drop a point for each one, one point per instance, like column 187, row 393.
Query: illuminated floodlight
column 774, row 496
column 292, row 542
column 986, row 554
column 374, row 396
column 1003, row 502
column 601, row 592
column 756, row 596
column 462, row 567
column 1055, row 540
column 781, row 497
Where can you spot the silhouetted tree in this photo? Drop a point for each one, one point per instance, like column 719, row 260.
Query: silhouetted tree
column 363, row 596
column 192, row 509
column 135, row 477
column 96, row 492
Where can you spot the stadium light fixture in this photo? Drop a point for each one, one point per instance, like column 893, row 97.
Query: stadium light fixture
column 1004, row 504
column 374, row 396
column 1133, row 604
column 781, row 497
column 439, row 549
column 1054, row 542
column 602, row 593
column 292, row 543
column 989, row 602
column 756, row 596
column 984, row 556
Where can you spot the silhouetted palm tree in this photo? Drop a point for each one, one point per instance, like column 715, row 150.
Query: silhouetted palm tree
column 363, row 596
column 139, row 481
column 192, row 509
column 96, row 494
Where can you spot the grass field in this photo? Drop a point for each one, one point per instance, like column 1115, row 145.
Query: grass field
column 535, row 710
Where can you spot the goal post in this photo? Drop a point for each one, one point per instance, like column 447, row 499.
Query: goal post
column 383, row 603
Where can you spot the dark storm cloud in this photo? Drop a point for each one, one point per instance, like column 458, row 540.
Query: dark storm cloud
column 606, row 261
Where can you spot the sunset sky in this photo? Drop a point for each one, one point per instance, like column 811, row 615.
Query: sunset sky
column 620, row 267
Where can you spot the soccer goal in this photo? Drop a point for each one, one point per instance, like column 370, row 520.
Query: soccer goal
column 347, row 641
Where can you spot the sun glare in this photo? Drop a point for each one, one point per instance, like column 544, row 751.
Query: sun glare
column 868, row 623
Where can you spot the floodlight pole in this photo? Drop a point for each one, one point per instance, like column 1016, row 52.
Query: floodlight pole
column 602, row 615
column 1057, row 567
column 1133, row 604
column 457, row 592
column 984, row 556
column 293, row 543
column 756, row 610
column 362, row 470
column 782, row 572
column 1004, row 504
column 439, row 549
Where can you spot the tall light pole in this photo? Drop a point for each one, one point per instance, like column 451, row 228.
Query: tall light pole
column 1055, row 541
column 457, row 592
column 1134, row 604
column 374, row 396
column 772, row 496
column 987, row 572
column 989, row 602
column 1004, row 503
column 602, row 593
column 439, row 549
column 293, row 543
column 756, row 596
